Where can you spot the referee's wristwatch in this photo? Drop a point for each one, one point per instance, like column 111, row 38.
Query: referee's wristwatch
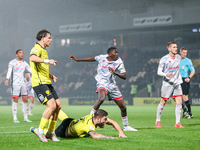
column 189, row 77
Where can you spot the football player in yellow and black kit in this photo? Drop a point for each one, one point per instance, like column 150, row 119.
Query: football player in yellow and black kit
column 85, row 126
column 42, row 85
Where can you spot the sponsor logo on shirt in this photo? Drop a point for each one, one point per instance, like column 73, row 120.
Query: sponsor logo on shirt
column 19, row 69
column 91, row 128
column 105, row 68
column 172, row 68
column 35, row 50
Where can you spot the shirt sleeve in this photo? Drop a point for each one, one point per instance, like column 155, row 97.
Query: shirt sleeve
column 191, row 66
column 36, row 52
column 121, row 68
column 97, row 58
column 28, row 67
column 9, row 73
column 160, row 68
column 160, row 72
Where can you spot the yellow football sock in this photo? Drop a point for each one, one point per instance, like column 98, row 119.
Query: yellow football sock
column 45, row 131
column 52, row 125
column 43, row 123
column 62, row 116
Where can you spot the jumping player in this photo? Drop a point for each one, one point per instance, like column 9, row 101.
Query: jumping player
column 16, row 68
column 85, row 126
column 109, row 66
column 169, row 68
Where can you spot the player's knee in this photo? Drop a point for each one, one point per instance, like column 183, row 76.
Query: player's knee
column 59, row 107
column 53, row 107
column 123, row 108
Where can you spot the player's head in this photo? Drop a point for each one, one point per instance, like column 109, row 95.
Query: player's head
column 183, row 52
column 27, row 75
column 19, row 54
column 113, row 53
column 44, row 36
column 101, row 117
column 172, row 47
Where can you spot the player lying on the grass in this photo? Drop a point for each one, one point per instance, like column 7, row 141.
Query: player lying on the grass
column 85, row 126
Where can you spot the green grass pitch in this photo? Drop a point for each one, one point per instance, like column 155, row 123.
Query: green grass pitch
column 17, row 136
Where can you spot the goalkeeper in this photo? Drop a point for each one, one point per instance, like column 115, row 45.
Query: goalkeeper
column 85, row 126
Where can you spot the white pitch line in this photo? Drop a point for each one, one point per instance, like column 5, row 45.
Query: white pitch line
column 13, row 132
column 15, row 127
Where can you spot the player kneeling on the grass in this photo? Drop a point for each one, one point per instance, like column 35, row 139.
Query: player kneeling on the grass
column 85, row 126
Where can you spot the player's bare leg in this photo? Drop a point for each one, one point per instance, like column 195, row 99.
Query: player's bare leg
column 101, row 98
column 122, row 107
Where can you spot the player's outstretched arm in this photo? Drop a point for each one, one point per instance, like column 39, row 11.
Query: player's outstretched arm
column 82, row 59
column 116, row 126
column 34, row 58
column 96, row 135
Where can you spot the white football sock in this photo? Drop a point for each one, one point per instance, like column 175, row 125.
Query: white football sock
column 178, row 112
column 25, row 110
column 125, row 121
column 92, row 111
column 30, row 107
column 21, row 104
column 159, row 111
column 14, row 110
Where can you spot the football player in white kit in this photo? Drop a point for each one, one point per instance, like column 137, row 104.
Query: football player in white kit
column 16, row 68
column 169, row 69
column 30, row 91
column 110, row 65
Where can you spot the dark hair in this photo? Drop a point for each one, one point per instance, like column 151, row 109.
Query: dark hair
column 100, row 113
column 111, row 49
column 18, row 50
column 42, row 33
column 170, row 43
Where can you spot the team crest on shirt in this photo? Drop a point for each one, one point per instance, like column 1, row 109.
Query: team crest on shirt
column 103, row 61
column 169, row 61
column 35, row 50
column 91, row 128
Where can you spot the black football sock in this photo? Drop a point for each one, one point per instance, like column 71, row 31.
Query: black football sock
column 183, row 107
column 188, row 105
